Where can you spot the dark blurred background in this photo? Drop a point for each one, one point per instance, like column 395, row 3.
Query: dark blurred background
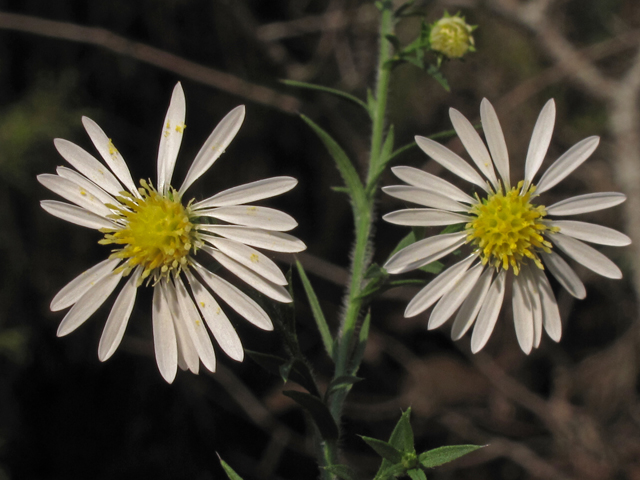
column 567, row 411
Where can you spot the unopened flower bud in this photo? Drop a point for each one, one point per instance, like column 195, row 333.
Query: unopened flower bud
column 451, row 36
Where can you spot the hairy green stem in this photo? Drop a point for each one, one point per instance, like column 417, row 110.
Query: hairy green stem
column 364, row 218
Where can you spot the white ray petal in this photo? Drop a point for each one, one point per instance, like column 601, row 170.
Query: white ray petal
column 188, row 358
column 215, row 146
column 76, row 215
column 567, row 163
column 250, row 216
column 590, row 232
column 435, row 289
column 256, row 237
column 590, row 202
column 424, row 197
column 73, row 192
column 86, row 184
column 88, row 303
column 540, row 140
column 471, row 306
column 222, row 329
column 424, row 252
column 88, row 165
column 164, row 337
column 236, row 299
column 533, row 289
column 195, row 326
column 425, row 217
column 451, row 161
column 450, row 301
column 80, row 285
column 250, row 192
column 565, row 275
column 587, row 256
column 550, row 312
column 495, row 140
column 171, row 138
column 110, row 154
column 118, row 317
column 264, row 286
column 474, row 145
column 250, row 258
column 522, row 314
column 420, row 178
column 488, row 313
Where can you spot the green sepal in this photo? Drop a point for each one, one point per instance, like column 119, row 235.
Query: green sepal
column 345, row 167
column 343, row 381
column 231, row 474
column 442, row 455
column 318, row 411
column 333, row 91
column 341, row 471
column 385, row 450
column 416, row 474
column 316, row 310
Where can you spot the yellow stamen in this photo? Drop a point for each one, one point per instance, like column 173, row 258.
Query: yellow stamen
column 507, row 229
column 157, row 235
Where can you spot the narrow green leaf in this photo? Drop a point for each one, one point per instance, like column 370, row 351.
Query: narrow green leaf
column 390, row 473
column 395, row 41
column 437, row 75
column 405, row 242
column 231, row 474
column 371, row 102
column 416, row 474
column 319, row 413
column 271, row 363
column 387, row 147
column 341, row 382
column 442, row 455
column 339, row 93
column 384, row 449
column 318, row 316
column 358, row 352
column 341, row 471
column 433, row 267
column 402, row 435
column 347, row 170
column 301, row 373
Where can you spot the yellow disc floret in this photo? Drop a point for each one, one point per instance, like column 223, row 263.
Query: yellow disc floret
column 157, row 233
column 507, row 229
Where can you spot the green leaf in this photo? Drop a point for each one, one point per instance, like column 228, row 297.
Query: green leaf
column 377, row 277
column 435, row 72
column 342, row 471
column 405, row 242
column 339, row 93
column 371, row 102
column 271, row 363
column 318, row 316
column 393, row 40
column 319, row 413
column 402, row 435
column 231, row 474
column 433, row 267
column 416, row 474
column 341, row 382
column 358, row 352
column 347, row 170
column 384, row 449
column 442, row 455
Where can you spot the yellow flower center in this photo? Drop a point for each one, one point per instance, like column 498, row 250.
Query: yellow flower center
column 507, row 229
column 451, row 36
column 157, row 232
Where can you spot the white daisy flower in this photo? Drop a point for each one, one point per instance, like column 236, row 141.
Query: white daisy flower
column 156, row 235
column 514, row 237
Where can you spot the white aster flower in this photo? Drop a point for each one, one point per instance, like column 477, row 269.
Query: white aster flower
column 156, row 236
column 514, row 238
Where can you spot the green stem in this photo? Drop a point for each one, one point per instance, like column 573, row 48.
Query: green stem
column 361, row 255
column 364, row 217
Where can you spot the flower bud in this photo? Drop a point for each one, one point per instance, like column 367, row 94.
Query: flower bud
column 451, row 36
